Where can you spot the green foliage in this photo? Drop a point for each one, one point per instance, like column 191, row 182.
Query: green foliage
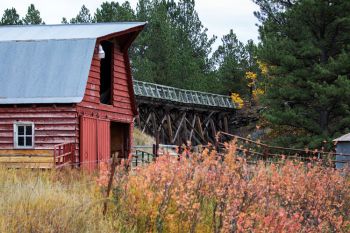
column 174, row 48
column 306, row 44
column 32, row 16
column 114, row 12
column 83, row 16
column 64, row 20
column 231, row 66
column 10, row 17
column 232, row 60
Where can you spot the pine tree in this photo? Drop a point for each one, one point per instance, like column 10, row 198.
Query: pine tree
column 143, row 10
column 114, row 12
column 174, row 48
column 231, row 65
column 155, row 55
column 306, row 44
column 64, row 20
column 32, row 16
column 10, row 17
column 83, row 16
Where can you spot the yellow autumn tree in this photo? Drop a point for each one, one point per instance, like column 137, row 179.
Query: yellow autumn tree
column 237, row 100
column 251, row 77
column 263, row 68
column 253, row 83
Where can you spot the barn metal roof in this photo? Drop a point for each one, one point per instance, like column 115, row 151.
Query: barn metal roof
column 344, row 138
column 49, row 63
column 63, row 31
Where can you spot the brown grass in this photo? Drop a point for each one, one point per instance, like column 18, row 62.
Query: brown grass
column 142, row 138
column 51, row 201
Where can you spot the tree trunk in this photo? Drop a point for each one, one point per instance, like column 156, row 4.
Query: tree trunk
column 324, row 114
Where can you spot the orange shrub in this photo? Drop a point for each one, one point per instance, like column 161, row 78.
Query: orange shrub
column 211, row 193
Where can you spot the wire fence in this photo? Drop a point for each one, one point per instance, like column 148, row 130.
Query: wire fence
column 256, row 150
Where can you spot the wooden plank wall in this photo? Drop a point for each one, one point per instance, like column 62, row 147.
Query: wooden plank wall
column 27, row 158
column 53, row 125
column 121, row 109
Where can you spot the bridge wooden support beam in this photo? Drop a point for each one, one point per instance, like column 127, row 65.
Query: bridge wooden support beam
column 174, row 124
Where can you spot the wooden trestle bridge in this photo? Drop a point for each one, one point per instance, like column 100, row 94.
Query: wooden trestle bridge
column 176, row 116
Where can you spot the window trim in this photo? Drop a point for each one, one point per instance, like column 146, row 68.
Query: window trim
column 15, row 134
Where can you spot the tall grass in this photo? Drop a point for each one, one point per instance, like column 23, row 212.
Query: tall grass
column 142, row 138
column 50, row 201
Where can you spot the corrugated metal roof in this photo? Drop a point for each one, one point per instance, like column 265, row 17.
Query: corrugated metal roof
column 63, row 31
column 344, row 138
column 49, row 63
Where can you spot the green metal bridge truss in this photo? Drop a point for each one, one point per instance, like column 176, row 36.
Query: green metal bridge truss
column 181, row 96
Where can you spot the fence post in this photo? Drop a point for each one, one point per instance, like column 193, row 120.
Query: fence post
column 155, row 149
column 136, row 158
column 54, row 156
column 72, row 158
column 110, row 182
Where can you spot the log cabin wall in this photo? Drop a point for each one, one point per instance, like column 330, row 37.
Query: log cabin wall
column 52, row 125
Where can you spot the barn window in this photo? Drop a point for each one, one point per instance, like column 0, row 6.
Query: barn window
column 106, row 73
column 23, row 134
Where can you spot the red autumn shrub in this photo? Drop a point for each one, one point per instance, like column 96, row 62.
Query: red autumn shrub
column 211, row 193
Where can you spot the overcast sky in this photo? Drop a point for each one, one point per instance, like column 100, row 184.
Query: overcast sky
column 219, row 16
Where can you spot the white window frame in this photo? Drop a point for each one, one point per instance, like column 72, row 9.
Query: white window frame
column 15, row 135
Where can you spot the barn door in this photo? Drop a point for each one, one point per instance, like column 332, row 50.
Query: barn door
column 94, row 142
column 88, row 143
column 103, row 140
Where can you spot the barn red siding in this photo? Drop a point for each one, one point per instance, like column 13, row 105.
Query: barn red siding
column 88, row 143
column 53, row 125
column 103, row 140
column 121, row 108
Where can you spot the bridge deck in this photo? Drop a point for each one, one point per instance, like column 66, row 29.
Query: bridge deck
column 151, row 90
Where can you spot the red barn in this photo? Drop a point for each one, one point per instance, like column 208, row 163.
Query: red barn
column 64, row 90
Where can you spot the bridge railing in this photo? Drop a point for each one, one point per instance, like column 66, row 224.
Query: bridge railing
column 182, row 96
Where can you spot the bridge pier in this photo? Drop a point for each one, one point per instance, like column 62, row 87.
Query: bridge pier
column 178, row 125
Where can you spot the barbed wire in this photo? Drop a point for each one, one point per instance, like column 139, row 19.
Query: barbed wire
column 263, row 145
